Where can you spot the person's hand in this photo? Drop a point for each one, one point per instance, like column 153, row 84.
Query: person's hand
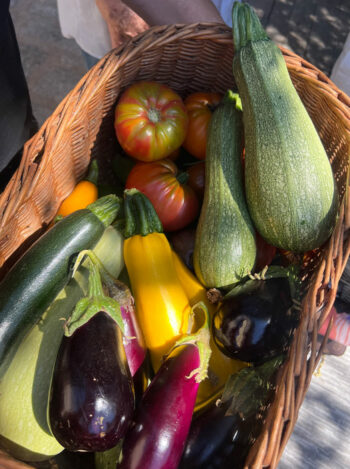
column 122, row 22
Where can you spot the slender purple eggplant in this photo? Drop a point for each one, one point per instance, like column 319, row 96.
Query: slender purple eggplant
column 133, row 340
column 92, row 396
column 157, row 438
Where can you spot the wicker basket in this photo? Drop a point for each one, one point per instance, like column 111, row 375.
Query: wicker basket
column 187, row 58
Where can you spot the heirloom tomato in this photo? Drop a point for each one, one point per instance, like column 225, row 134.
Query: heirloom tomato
column 150, row 121
column 174, row 201
column 200, row 107
column 196, row 178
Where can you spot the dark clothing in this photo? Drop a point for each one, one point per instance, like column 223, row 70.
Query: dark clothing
column 16, row 119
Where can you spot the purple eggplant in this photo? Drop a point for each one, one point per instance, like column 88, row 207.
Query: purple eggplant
column 216, row 441
column 92, row 396
column 133, row 341
column 92, row 400
column 257, row 323
column 158, row 436
column 221, row 435
column 162, row 420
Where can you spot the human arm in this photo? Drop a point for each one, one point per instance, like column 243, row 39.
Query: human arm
column 157, row 12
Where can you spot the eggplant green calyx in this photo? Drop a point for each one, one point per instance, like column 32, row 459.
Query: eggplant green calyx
column 234, row 99
column 140, row 215
column 95, row 302
column 273, row 271
column 106, row 208
column 201, row 340
column 247, row 391
column 246, row 26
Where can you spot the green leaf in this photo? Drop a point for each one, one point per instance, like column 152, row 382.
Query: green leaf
column 247, row 391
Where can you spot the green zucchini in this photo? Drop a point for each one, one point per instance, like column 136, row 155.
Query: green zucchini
column 290, row 188
column 24, row 427
column 40, row 274
column 225, row 248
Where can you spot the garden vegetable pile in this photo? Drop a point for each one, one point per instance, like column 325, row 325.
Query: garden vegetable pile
column 146, row 326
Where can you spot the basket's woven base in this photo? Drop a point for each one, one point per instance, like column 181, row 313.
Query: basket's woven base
column 187, row 58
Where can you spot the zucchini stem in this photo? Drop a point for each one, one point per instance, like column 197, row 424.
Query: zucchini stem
column 246, row 26
column 106, row 208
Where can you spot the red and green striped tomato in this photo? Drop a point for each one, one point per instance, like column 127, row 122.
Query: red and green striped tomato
column 150, row 121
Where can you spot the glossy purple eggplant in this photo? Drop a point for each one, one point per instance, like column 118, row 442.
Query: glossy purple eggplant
column 216, row 441
column 157, row 438
column 221, row 435
column 133, row 341
column 92, row 399
column 257, row 324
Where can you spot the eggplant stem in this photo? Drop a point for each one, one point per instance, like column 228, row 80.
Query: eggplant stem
column 96, row 301
column 201, row 339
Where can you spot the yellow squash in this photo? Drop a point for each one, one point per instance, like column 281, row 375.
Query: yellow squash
column 162, row 307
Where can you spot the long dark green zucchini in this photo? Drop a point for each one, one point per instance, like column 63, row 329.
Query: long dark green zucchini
column 41, row 273
column 290, row 188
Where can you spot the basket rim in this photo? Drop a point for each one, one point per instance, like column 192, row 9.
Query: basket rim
column 42, row 144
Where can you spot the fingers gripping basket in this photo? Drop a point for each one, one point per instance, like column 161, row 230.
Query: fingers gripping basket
column 187, row 58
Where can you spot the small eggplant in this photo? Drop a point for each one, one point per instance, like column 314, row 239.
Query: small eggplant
column 92, row 398
column 257, row 323
column 221, row 435
column 216, row 441
column 134, row 344
column 163, row 418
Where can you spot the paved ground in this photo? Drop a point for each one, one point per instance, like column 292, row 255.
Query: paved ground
column 314, row 29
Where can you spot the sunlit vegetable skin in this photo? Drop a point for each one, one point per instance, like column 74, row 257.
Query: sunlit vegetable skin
column 43, row 271
column 150, row 121
column 225, row 249
column 162, row 306
column 92, row 399
column 290, row 188
column 220, row 365
column 163, row 419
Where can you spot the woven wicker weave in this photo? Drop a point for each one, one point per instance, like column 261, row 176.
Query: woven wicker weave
column 187, row 58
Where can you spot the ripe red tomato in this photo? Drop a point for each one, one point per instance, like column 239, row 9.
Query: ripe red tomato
column 174, row 201
column 265, row 253
column 150, row 121
column 200, row 107
column 196, row 178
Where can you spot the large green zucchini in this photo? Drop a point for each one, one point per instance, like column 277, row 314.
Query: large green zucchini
column 40, row 274
column 290, row 188
column 225, row 249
